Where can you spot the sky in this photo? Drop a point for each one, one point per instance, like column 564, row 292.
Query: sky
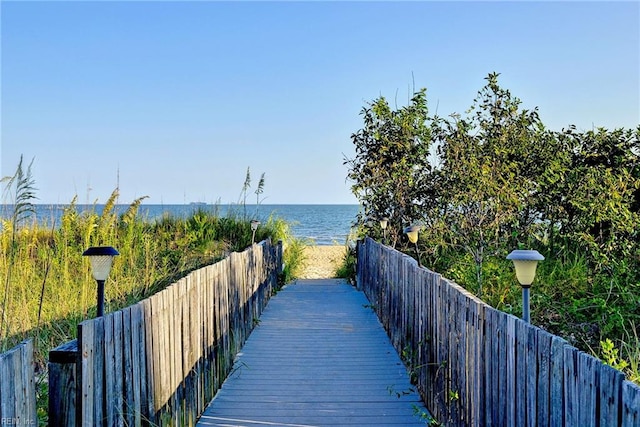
column 175, row 100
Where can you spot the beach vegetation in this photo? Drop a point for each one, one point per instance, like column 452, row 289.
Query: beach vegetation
column 47, row 288
column 498, row 179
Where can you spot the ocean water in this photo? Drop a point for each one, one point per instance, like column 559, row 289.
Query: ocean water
column 323, row 224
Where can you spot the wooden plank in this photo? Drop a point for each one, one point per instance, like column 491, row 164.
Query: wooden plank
column 542, row 410
column 532, row 382
column 630, row 404
column 85, row 369
column 5, row 397
column 17, row 397
column 28, row 386
column 455, row 343
column 176, row 305
column 148, row 387
column 8, row 374
column 167, row 349
column 99, row 369
column 476, row 353
column 137, row 364
column 515, row 372
column 194, row 337
column 492, row 374
column 128, row 404
column 502, row 371
column 556, row 386
column 110, row 372
column 209, row 311
column 571, row 392
column 466, row 364
column 609, row 399
column 226, row 315
column 440, row 405
column 587, row 384
column 439, row 363
column 155, row 323
column 118, row 368
column 431, row 353
column 62, row 384
column 469, row 368
column 218, row 319
column 520, row 372
column 173, row 316
column 354, row 375
column 189, row 363
column 15, row 365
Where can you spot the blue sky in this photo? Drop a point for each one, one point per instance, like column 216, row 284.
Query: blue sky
column 174, row 100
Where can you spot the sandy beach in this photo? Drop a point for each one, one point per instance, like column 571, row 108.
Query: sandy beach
column 322, row 261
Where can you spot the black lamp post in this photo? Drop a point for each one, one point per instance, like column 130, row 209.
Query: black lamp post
column 525, row 262
column 101, row 258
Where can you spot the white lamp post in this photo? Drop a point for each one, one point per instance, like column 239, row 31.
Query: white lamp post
column 383, row 224
column 101, row 258
column 254, row 227
column 525, row 262
column 412, row 233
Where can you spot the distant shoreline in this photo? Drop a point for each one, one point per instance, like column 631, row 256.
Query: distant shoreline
column 190, row 204
column 322, row 225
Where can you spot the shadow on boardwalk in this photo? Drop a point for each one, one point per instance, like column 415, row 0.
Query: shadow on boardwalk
column 319, row 357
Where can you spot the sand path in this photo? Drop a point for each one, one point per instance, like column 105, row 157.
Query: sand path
column 322, row 261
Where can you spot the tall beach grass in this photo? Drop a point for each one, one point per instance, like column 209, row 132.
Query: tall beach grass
column 47, row 284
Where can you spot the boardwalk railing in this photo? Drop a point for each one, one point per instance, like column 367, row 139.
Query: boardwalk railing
column 161, row 360
column 17, row 386
column 475, row 365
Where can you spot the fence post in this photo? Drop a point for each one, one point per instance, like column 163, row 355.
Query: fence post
column 359, row 265
column 279, row 258
column 62, row 384
column 18, row 393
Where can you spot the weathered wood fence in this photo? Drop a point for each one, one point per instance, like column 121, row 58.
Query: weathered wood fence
column 161, row 360
column 477, row 366
column 17, row 386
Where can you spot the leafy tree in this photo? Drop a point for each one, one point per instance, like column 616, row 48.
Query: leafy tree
column 391, row 171
column 601, row 191
column 489, row 165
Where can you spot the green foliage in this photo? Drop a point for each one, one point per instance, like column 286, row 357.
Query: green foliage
column 610, row 355
column 500, row 181
column 487, row 166
column 294, row 259
column 631, row 352
column 48, row 287
column 347, row 268
column 391, row 169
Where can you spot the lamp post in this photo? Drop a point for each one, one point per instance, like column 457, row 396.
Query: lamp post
column 101, row 258
column 412, row 233
column 254, row 227
column 383, row 224
column 525, row 262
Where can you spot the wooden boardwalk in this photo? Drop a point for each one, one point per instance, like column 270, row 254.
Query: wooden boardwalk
column 319, row 357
